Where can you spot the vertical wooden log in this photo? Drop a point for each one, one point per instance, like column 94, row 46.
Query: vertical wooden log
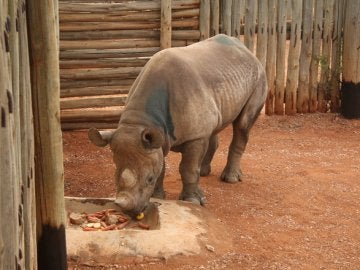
column 27, row 143
column 215, row 17
column 235, row 19
column 9, row 221
column 271, row 56
column 305, row 58
column 165, row 30
column 249, row 28
column 350, row 89
column 204, row 19
column 293, row 59
column 242, row 10
column 316, row 46
column 226, row 17
column 262, row 33
column 280, row 57
column 324, row 85
column 336, row 55
column 44, row 61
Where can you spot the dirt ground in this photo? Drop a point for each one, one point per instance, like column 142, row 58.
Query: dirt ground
column 297, row 208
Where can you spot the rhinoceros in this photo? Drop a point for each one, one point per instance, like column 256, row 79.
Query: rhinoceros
column 181, row 100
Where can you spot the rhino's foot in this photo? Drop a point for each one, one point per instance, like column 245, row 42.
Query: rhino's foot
column 196, row 197
column 231, row 176
column 205, row 170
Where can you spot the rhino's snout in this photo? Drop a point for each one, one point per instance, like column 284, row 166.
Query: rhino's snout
column 125, row 202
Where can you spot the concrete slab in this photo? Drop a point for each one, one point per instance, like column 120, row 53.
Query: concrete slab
column 177, row 228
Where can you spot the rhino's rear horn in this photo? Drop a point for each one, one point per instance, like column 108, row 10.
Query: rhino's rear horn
column 152, row 138
column 100, row 138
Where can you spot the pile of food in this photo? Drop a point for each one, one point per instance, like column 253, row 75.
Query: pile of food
column 105, row 220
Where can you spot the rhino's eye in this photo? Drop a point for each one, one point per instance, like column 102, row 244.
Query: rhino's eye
column 150, row 180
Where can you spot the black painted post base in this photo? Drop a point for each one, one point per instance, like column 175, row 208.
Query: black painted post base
column 350, row 100
column 52, row 248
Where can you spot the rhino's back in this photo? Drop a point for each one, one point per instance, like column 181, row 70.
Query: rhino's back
column 205, row 85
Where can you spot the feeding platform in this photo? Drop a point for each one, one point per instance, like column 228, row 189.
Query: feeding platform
column 175, row 228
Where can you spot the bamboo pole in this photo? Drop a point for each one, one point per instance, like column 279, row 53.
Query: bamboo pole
column 336, row 55
column 249, row 29
column 280, row 58
column 204, row 19
column 226, row 17
column 325, row 58
column 44, row 60
column 316, row 46
column 350, row 90
column 235, row 19
column 305, row 58
column 214, row 17
column 270, row 56
column 165, row 29
column 293, row 59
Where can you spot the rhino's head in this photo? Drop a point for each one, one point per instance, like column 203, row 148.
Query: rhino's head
column 139, row 159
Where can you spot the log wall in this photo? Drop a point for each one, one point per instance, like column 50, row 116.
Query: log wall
column 104, row 45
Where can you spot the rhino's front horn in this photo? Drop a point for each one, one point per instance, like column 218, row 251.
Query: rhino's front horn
column 100, row 138
column 152, row 138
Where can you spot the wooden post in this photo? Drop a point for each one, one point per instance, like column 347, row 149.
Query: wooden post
column 204, row 19
column 215, row 17
column 293, row 60
column 280, row 58
column 271, row 55
column 235, row 19
column 226, row 17
column 314, row 64
column 324, row 85
column 262, row 33
column 44, row 60
column 27, row 143
column 350, row 89
column 249, row 28
column 305, row 58
column 165, row 31
column 336, row 55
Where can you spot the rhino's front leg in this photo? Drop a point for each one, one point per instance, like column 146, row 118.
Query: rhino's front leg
column 192, row 155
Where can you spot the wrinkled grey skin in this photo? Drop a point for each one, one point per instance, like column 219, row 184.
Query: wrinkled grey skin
column 180, row 101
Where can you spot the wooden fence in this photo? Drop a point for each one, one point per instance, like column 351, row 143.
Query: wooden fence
column 17, row 189
column 29, row 127
column 104, row 45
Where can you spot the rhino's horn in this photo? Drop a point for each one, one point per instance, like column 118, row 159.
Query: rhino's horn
column 152, row 138
column 100, row 138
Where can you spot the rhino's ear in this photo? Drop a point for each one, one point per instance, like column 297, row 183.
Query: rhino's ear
column 100, row 138
column 152, row 138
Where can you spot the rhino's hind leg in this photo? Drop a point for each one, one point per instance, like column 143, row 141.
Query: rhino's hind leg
column 192, row 153
column 206, row 163
column 241, row 128
column 159, row 186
